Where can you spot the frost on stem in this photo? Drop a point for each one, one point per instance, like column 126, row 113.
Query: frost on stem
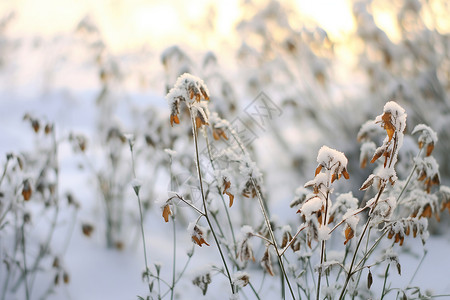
column 444, row 194
column 404, row 227
column 332, row 164
column 393, row 120
column 244, row 249
column 197, row 233
column 427, row 138
column 190, row 90
column 241, row 278
column 334, row 161
column 344, row 208
column 427, row 171
column 202, row 280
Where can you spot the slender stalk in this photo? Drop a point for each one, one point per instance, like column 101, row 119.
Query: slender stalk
column 364, row 259
column 293, row 239
column 178, row 278
column 141, row 222
column 272, row 236
column 418, row 267
column 369, row 219
column 206, row 214
column 386, row 274
column 230, row 224
column 25, row 269
column 265, row 215
column 409, row 177
column 322, row 250
column 188, row 204
column 5, row 169
column 174, row 259
column 46, row 246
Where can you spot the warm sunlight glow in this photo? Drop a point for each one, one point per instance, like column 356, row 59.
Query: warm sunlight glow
column 335, row 16
column 127, row 25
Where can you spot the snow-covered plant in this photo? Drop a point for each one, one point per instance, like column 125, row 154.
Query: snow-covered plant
column 29, row 194
column 391, row 209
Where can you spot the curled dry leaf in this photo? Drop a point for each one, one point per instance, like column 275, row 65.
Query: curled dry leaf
column 174, row 119
column 218, row 133
column 226, row 186
column 197, row 236
column 166, row 212
column 349, row 234
column 266, row 262
column 26, row 190
column 387, row 125
column 87, row 229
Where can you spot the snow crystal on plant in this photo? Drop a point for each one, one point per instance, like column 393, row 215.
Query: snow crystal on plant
column 136, row 183
column 170, row 152
column 368, row 127
column 323, row 233
column 387, row 174
column 444, row 189
column 427, row 136
column 286, row 228
column 330, row 292
column 351, row 219
column 311, row 206
column 240, row 278
column 320, row 179
column 328, row 157
column 345, row 200
column 182, row 86
column 247, row 230
column 335, row 255
column 398, row 114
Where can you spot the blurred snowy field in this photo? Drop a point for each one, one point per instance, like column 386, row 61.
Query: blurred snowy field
column 61, row 77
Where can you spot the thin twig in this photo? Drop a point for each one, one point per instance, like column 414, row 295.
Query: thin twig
column 136, row 190
column 206, row 215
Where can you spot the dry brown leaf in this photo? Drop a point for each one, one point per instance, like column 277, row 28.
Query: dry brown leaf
column 166, row 212
column 349, row 234
column 174, row 119
column 318, row 169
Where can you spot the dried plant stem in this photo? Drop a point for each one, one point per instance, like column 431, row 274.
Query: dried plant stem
column 358, row 211
column 293, row 239
column 369, row 219
column 386, row 274
column 409, row 177
column 188, row 204
column 363, row 260
column 171, row 287
column 25, row 269
column 46, row 245
column 174, row 259
column 272, row 236
column 322, row 250
column 5, row 169
column 141, row 219
column 425, row 252
column 206, row 214
column 265, row 215
column 230, row 224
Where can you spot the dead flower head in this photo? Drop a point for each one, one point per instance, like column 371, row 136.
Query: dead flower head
column 197, row 234
column 333, row 161
column 190, row 90
column 427, row 138
column 393, row 120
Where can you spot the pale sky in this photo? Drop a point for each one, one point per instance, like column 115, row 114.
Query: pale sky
column 128, row 24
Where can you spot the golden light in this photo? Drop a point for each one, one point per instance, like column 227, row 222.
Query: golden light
column 127, row 25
